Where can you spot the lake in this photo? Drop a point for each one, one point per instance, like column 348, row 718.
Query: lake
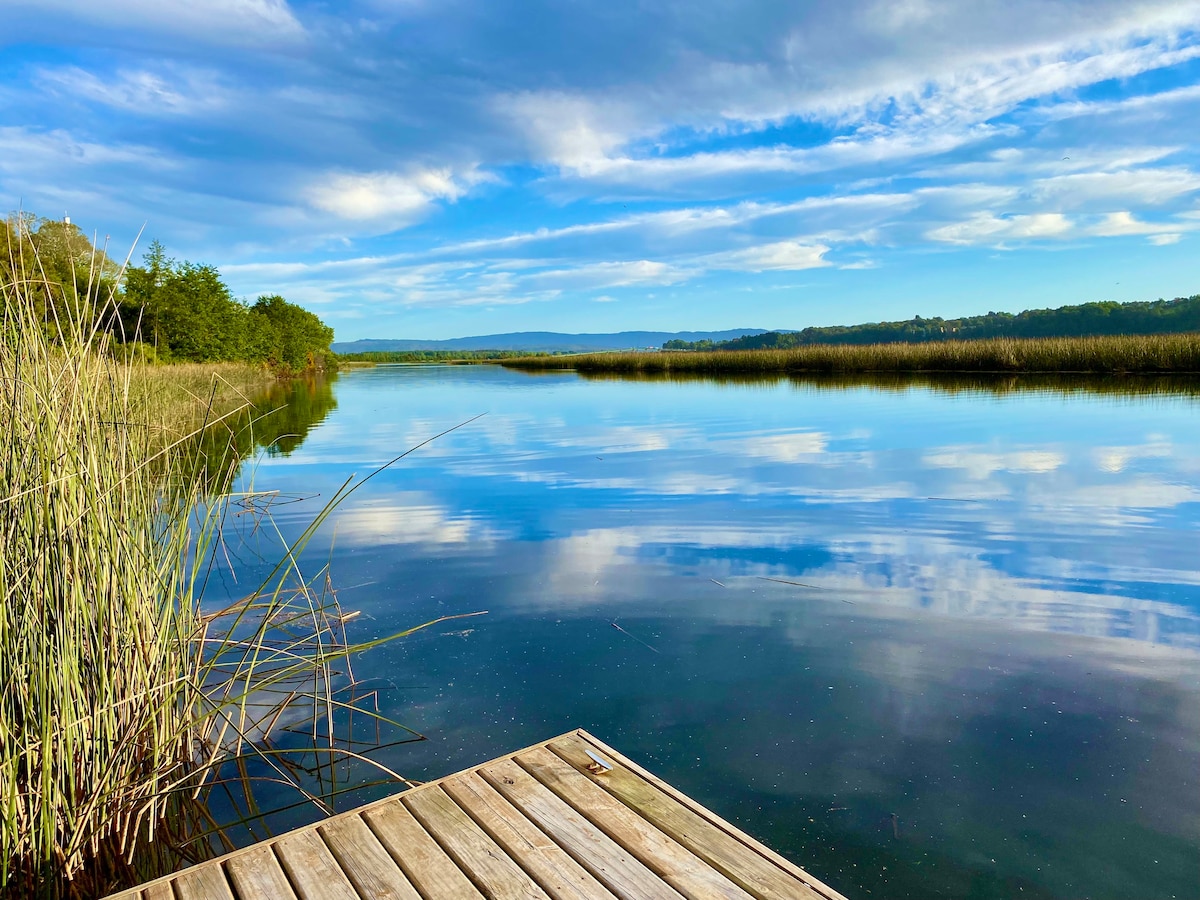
column 925, row 639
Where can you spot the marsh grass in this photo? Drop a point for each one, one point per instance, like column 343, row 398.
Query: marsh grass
column 1133, row 354
column 127, row 707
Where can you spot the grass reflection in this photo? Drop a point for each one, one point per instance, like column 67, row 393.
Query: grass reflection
column 1187, row 386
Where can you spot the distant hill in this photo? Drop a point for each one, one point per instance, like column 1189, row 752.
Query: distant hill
column 548, row 341
column 1088, row 319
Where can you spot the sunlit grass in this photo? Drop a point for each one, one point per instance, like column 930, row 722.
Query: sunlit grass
column 124, row 701
column 1170, row 353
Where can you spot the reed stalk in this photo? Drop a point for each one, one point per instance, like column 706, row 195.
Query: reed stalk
column 125, row 702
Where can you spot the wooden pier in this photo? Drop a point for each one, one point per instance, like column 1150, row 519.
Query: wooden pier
column 568, row 819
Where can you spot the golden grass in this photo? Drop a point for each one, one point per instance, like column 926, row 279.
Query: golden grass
column 1171, row 353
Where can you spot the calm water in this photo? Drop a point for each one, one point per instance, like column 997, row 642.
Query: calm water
column 983, row 682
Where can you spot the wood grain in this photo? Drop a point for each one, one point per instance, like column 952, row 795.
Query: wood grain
column 668, row 859
column 497, row 876
column 365, row 861
column 161, row 891
column 740, row 863
column 607, row 861
column 546, row 862
column 202, row 882
column 427, row 866
column 257, row 875
column 314, row 873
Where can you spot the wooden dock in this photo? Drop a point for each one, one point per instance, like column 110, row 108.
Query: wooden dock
column 568, row 819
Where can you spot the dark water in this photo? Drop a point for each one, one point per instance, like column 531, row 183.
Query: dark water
column 985, row 682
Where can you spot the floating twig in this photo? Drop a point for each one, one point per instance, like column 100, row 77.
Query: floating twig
column 635, row 637
column 797, row 583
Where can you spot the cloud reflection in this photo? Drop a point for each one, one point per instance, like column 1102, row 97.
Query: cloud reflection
column 1038, row 515
column 410, row 518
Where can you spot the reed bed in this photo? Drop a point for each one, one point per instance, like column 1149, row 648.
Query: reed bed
column 125, row 702
column 1134, row 354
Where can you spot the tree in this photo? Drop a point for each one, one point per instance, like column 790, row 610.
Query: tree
column 302, row 339
column 63, row 271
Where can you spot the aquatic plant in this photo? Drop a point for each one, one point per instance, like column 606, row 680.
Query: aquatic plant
column 1133, row 354
column 125, row 702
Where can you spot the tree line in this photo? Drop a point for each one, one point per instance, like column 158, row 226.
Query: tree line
column 165, row 310
column 434, row 356
column 1085, row 320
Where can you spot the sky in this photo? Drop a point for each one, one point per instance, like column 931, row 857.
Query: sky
column 440, row 168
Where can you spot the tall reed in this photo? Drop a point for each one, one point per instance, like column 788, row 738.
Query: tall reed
column 93, row 646
column 123, row 699
column 1163, row 353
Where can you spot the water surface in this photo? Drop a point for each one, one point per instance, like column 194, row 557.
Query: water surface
column 926, row 642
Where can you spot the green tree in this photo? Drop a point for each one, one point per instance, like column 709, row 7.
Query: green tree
column 62, row 269
column 301, row 339
column 184, row 310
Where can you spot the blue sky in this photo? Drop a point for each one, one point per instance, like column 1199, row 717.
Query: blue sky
column 410, row 168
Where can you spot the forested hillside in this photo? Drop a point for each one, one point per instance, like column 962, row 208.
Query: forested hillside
column 167, row 310
column 1085, row 320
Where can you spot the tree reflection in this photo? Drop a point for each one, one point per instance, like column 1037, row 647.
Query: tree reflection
column 276, row 422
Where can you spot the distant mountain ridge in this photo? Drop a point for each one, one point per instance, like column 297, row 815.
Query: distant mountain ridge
column 548, row 341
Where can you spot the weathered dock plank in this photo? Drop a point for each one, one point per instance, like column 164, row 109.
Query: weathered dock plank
column 665, row 857
column 203, row 883
column 567, row 819
column 311, row 867
column 476, row 854
column 611, row 864
column 365, row 861
column 425, row 863
column 558, row 874
column 256, row 875
column 725, row 853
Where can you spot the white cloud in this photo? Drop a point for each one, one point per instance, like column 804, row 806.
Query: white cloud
column 29, row 151
column 140, row 91
column 1142, row 103
column 1162, row 240
column 572, row 131
column 1119, row 224
column 397, row 198
column 656, row 173
column 236, row 22
column 988, row 228
column 601, row 275
column 782, row 256
column 1149, row 186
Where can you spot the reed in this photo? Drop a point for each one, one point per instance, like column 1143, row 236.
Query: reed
column 125, row 701
column 1133, row 354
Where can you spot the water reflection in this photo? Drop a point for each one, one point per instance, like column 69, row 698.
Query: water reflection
column 275, row 422
column 928, row 639
column 951, row 383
